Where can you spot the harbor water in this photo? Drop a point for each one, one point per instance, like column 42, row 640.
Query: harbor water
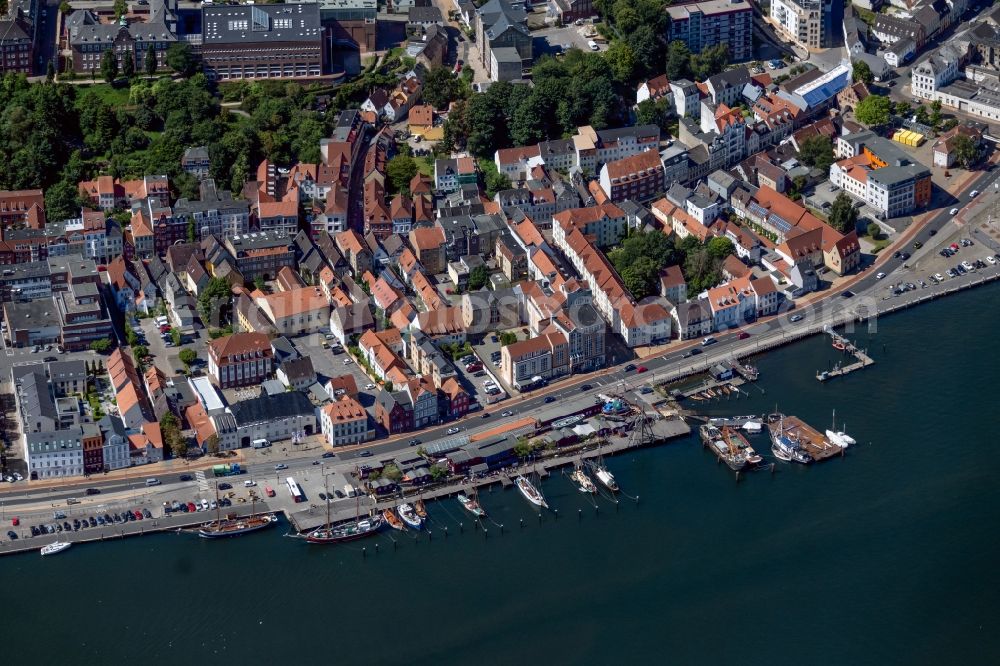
column 888, row 555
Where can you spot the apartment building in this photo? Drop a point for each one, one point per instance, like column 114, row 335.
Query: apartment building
column 638, row 178
column 807, row 23
column 704, row 24
column 545, row 357
column 240, row 359
column 345, row 422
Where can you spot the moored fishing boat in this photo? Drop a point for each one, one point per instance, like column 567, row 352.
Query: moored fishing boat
column 471, row 505
column 583, row 481
column 55, row 547
column 393, row 520
column 530, row 493
column 409, row 516
column 420, row 508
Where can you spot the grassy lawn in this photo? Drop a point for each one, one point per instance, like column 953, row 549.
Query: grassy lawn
column 425, row 164
column 112, row 96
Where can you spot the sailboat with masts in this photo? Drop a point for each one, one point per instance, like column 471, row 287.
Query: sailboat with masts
column 232, row 525
column 346, row 531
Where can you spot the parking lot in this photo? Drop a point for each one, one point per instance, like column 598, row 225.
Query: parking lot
column 561, row 39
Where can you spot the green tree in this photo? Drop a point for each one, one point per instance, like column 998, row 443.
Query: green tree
column 862, row 72
column 101, row 346
column 214, row 303
column 843, row 214
column 120, row 8
column 966, row 151
column 478, row 277
column 441, row 88
column 188, row 356
column 62, row 201
column 496, row 182
column 131, row 339
column 172, row 437
column 873, row 110
column 50, row 72
column 65, row 7
column 192, row 230
column 139, row 352
column 212, row 444
column 128, row 65
column 150, row 63
column 817, row 151
column 710, row 61
column 622, row 59
column 439, row 472
column 109, row 66
column 180, row 59
column 175, row 338
column 678, row 60
column 400, row 170
column 507, row 338
column 701, row 271
column 392, row 473
column 719, row 248
column 523, row 448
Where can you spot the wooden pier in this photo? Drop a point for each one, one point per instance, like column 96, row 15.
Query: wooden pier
column 863, row 360
column 662, row 430
column 808, row 438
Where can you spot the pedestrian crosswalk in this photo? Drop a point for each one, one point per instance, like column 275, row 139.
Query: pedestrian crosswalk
column 199, row 476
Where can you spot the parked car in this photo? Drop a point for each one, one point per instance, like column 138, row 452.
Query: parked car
column 452, row 431
column 795, row 318
column 550, row 398
column 507, row 413
column 742, row 335
column 641, row 369
column 414, row 442
column 186, row 477
column 280, row 466
column 225, row 486
column 630, row 367
column 328, row 454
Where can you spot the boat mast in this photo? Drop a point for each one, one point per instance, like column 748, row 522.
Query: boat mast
column 218, row 505
column 327, row 488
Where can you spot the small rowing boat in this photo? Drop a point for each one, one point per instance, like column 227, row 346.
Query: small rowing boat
column 393, row 520
column 420, row 508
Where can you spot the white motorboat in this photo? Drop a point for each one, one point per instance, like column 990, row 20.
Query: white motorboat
column 839, row 438
column 530, row 492
column 409, row 516
column 606, row 477
column 55, row 547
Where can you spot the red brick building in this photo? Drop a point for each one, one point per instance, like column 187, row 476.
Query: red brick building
column 240, row 359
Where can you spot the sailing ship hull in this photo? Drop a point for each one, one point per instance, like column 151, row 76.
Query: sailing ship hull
column 530, row 493
column 471, row 506
column 352, row 532
column 239, row 527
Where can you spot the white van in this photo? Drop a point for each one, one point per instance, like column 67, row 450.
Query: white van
column 593, row 45
column 152, row 482
column 261, row 444
column 708, row 341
